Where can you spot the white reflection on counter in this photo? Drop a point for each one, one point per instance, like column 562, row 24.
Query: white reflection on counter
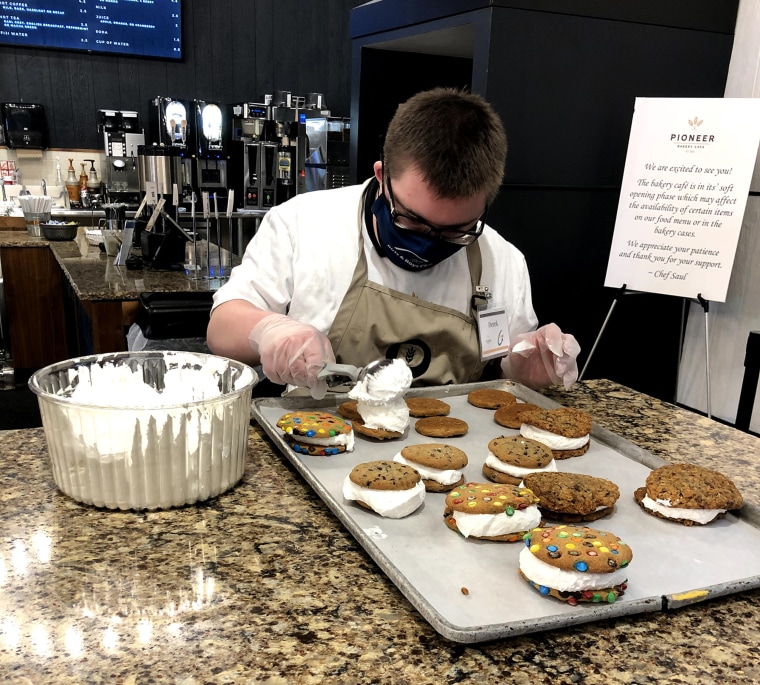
column 144, row 630
column 73, row 641
column 110, row 638
column 11, row 632
column 41, row 544
column 123, row 606
column 19, row 559
column 40, row 640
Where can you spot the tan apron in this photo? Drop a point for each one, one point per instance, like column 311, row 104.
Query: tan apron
column 440, row 344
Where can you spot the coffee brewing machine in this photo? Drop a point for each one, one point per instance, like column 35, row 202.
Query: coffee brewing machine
column 173, row 126
column 210, row 148
column 268, row 151
column 122, row 136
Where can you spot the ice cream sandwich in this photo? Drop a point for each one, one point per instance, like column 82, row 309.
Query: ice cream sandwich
column 511, row 458
column 438, row 464
column 316, row 433
column 688, row 494
column 564, row 430
column 489, row 511
column 386, row 487
column 572, row 497
column 576, row 563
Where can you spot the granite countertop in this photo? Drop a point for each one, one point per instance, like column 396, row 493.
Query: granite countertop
column 93, row 276
column 263, row 585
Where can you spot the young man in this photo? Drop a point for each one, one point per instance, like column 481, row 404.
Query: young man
column 391, row 268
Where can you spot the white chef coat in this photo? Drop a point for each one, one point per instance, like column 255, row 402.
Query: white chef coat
column 301, row 260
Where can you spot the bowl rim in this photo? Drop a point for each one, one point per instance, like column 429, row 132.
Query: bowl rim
column 104, row 358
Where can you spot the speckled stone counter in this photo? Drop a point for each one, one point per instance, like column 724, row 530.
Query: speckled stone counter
column 263, row 585
column 93, row 276
column 107, row 293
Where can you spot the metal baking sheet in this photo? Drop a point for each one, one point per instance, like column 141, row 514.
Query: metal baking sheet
column 673, row 565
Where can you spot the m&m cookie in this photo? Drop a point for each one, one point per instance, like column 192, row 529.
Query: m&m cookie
column 316, row 433
column 576, row 563
column 490, row 511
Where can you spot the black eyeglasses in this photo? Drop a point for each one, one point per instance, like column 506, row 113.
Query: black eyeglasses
column 459, row 234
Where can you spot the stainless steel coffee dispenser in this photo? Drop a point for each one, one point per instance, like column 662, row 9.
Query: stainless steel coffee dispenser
column 173, row 126
column 162, row 166
column 327, row 165
column 210, row 147
column 122, row 136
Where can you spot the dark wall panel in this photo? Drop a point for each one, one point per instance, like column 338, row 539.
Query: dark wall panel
column 391, row 77
column 568, row 106
column 234, row 51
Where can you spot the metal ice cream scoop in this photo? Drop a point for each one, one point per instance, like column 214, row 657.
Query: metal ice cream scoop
column 346, row 374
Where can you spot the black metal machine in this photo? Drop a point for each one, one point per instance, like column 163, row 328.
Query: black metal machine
column 268, row 151
column 122, row 136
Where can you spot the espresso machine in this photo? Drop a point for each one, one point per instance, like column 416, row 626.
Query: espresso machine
column 210, row 148
column 173, row 126
column 122, row 135
column 268, row 152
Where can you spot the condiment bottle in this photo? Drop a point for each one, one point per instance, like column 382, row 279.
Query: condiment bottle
column 72, row 184
column 82, row 178
column 93, row 183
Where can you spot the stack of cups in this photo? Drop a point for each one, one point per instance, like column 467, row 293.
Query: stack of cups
column 36, row 210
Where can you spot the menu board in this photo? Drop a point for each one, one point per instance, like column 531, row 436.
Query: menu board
column 132, row 27
column 685, row 186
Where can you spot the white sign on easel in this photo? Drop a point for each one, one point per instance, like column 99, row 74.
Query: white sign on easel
column 685, row 186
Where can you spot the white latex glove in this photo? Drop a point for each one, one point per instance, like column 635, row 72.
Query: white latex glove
column 543, row 357
column 292, row 352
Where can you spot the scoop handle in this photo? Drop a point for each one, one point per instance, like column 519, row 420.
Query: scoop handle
column 332, row 373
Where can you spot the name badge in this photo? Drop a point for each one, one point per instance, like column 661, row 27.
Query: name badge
column 494, row 333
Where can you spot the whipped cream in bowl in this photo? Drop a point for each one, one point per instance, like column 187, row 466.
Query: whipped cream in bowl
column 145, row 430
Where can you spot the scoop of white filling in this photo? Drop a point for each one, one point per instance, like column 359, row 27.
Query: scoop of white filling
column 393, row 504
column 442, row 476
column 662, row 506
column 552, row 440
column 490, row 525
column 518, row 472
column 550, row 576
column 380, row 397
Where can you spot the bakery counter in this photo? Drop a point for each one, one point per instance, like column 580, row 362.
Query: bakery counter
column 264, row 585
column 243, row 223
column 46, row 326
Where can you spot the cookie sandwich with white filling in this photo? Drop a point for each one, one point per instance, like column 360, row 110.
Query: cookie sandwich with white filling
column 386, row 487
column 564, row 430
column 489, row 511
column 316, row 433
column 576, row 564
column 440, row 465
column 688, row 494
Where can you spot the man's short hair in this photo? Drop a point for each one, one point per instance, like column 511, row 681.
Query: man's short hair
column 455, row 139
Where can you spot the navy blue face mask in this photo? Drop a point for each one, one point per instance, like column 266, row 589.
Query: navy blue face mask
column 408, row 249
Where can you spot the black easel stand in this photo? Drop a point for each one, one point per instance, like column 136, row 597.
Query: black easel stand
column 705, row 305
column 622, row 291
